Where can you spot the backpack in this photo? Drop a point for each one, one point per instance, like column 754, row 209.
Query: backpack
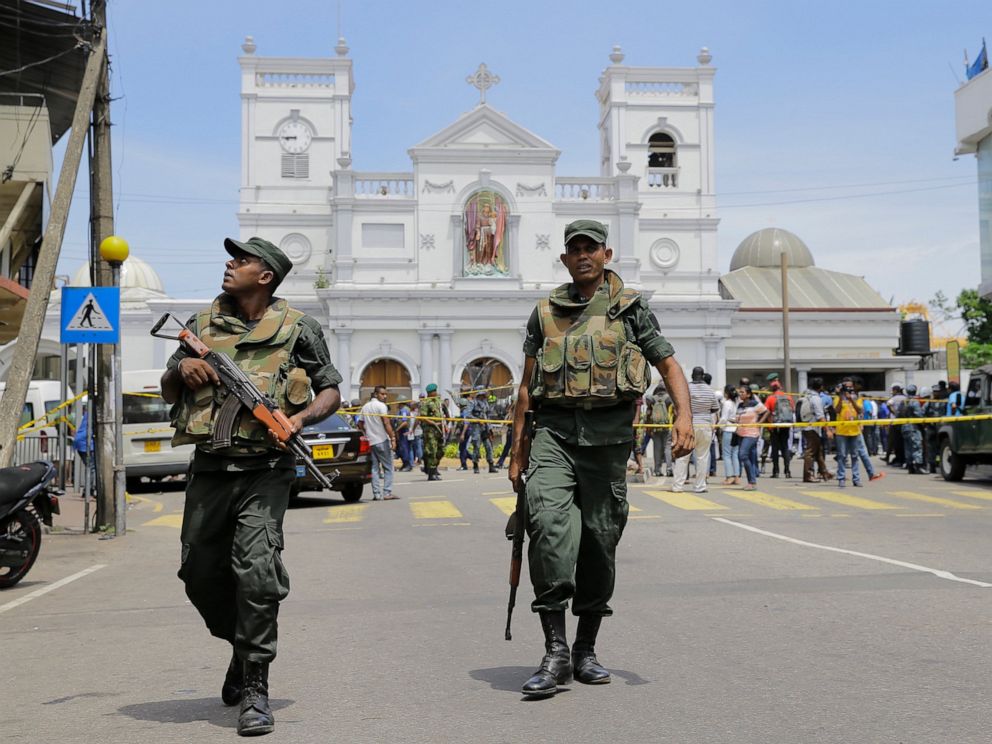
column 659, row 412
column 809, row 410
column 783, row 413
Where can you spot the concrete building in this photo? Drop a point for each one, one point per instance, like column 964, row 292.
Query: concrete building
column 973, row 116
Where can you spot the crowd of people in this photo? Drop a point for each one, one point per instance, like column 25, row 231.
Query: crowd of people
column 732, row 426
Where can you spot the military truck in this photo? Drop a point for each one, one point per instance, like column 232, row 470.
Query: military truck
column 964, row 443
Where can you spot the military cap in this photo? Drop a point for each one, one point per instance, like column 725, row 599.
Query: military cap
column 431, row 388
column 590, row 228
column 911, row 390
column 771, row 376
column 274, row 258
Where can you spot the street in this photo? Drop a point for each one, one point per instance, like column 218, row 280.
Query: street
column 796, row 613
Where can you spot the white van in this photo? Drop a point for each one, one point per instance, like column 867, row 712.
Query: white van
column 148, row 452
column 40, row 440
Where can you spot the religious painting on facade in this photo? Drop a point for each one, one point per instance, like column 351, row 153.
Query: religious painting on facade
column 486, row 217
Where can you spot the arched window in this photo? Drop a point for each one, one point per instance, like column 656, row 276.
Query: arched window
column 662, row 163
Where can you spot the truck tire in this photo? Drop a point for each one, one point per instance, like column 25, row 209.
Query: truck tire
column 951, row 466
column 352, row 492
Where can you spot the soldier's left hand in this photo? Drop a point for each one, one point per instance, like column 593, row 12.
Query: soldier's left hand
column 683, row 438
column 296, row 423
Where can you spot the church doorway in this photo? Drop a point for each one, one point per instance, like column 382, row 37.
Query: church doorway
column 388, row 372
column 489, row 373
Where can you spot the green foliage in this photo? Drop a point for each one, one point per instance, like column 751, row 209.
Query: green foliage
column 322, row 281
column 976, row 355
column 977, row 316
column 451, row 450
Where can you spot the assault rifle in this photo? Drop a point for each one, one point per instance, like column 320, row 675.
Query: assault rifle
column 243, row 392
column 517, row 524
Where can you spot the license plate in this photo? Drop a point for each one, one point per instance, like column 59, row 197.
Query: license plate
column 323, row 452
column 301, row 470
column 153, row 445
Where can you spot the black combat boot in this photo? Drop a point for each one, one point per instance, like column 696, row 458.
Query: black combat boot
column 256, row 716
column 556, row 666
column 475, row 468
column 493, row 468
column 433, row 475
column 230, row 693
column 587, row 667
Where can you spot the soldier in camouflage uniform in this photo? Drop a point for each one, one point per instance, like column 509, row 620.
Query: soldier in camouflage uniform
column 479, row 433
column 587, row 356
column 432, row 407
column 236, row 496
column 911, row 435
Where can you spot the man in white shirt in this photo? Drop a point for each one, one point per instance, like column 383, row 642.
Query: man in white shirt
column 382, row 441
column 704, row 405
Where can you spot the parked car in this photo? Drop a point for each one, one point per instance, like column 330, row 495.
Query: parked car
column 336, row 445
column 148, row 450
column 964, row 443
column 40, row 441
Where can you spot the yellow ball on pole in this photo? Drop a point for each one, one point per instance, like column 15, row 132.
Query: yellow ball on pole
column 114, row 249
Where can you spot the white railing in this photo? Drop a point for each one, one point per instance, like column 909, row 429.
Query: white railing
column 648, row 88
column 385, row 186
column 585, row 189
column 663, row 178
column 294, row 80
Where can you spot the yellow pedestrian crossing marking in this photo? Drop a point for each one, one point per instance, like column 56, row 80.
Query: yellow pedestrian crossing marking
column 974, row 494
column 687, row 501
column 166, row 520
column 506, row 504
column 345, row 514
column 434, row 510
column 858, row 502
column 949, row 503
column 772, row 502
column 633, row 509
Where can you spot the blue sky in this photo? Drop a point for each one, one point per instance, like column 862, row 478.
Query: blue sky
column 833, row 120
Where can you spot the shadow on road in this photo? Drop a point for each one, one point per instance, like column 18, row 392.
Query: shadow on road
column 511, row 678
column 180, row 710
column 311, row 501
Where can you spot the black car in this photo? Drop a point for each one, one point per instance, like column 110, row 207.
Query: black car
column 336, row 445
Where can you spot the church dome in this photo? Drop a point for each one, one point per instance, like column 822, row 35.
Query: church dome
column 764, row 249
column 137, row 278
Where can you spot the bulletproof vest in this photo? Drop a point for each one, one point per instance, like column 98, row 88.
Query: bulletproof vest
column 587, row 360
column 264, row 354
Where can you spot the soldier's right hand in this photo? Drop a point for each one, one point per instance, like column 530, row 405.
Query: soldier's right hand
column 196, row 373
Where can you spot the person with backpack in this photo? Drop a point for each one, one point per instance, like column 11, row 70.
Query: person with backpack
column 660, row 412
column 812, row 412
column 782, row 409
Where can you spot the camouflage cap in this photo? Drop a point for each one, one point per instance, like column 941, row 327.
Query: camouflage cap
column 276, row 260
column 431, row 387
column 590, row 228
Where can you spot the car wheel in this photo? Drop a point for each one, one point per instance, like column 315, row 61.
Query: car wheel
column 951, row 465
column 352, row 492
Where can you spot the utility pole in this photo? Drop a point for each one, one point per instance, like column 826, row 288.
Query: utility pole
column 101, row 275
column 786, row 357
column 29, row 336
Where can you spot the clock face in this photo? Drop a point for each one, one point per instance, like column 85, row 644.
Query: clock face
column 294, row 136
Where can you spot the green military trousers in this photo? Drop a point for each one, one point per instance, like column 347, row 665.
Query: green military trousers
column 433, row 445
column 576, row 512
column 231, row 555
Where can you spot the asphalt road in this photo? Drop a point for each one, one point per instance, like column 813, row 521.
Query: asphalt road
column 737, row 620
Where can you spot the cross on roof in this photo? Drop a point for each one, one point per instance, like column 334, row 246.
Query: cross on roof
column 483, row 79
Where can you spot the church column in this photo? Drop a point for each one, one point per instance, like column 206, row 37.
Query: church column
column 343, row 204
column 802, row 381
column 444, row 366
column 711, row 343
column 426, row 359
column 624, row 232
column 343, row 362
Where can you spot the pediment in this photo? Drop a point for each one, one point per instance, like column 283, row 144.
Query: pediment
column 484, row 128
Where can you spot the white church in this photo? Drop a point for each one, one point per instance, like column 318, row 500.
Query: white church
column 429, row 274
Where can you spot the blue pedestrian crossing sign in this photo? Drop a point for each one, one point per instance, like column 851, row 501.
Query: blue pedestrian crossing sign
column 91, row 315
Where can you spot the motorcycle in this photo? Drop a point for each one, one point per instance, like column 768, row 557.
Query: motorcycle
column 27, row 498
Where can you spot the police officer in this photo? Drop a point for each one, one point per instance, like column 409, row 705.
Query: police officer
column 478, row 432
column 911, row 436
column 236, row 497
column 431, row 407
column 588, row 356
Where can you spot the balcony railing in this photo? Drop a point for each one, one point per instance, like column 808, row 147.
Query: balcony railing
column 663, row 178
column 384, row 186
column 585, row 189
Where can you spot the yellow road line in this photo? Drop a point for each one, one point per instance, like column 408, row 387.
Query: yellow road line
column 345, row 514
column 848, row 500
column 166, row 520
column 687, row 501
column 772, row 502
column 157, row 506
column 435, row 510
column 983, row 495
column 949, row 503
column 506, row 504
